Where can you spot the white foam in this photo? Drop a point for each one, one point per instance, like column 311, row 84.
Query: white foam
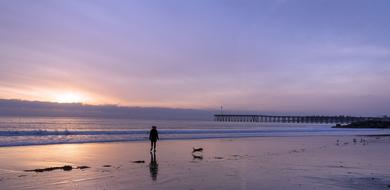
column 51, row 130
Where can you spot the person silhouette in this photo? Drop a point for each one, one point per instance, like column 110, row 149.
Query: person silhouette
column 153, row 166
column 153, row 137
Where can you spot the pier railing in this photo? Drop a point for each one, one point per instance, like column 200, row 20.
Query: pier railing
column 290, row 119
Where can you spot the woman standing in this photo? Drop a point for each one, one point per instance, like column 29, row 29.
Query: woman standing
column 153, row 137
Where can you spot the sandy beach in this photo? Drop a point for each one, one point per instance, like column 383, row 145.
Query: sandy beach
column 239, row 163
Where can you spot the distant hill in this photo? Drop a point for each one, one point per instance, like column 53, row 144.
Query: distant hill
column 36, row 108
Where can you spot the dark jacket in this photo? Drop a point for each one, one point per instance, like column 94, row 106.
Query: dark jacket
column 153, row 135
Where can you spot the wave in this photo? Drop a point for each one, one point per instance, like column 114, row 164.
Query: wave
column 66, row 132
column 165, row 131
column 45, row 137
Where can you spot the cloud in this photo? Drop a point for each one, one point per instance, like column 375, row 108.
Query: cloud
column 202, row 54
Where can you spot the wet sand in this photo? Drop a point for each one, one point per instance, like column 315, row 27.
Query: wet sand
column 319, row 162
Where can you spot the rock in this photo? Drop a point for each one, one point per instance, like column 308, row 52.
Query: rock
column 67, row 168
column 139, row 161
column 82, row 167
column 366, row 124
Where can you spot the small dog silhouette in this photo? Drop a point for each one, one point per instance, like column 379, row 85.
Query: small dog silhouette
column 197, row 150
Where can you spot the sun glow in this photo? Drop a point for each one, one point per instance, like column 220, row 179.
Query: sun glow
column 70, row 97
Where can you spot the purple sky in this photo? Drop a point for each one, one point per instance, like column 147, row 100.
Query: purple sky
column 325, row 56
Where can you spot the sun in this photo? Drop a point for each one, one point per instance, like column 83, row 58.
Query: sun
column 70, row 97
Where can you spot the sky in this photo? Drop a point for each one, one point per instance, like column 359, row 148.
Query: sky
column 298, row 56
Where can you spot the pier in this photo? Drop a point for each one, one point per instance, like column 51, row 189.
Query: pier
column 291, row 119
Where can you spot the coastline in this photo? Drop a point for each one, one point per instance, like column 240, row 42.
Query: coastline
column 318, row 162
column 81, row 136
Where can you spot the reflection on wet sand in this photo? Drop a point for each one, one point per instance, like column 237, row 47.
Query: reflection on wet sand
column 197, row 157
column 153, row 166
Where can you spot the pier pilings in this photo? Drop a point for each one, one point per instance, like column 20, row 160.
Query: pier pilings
column 289, row 119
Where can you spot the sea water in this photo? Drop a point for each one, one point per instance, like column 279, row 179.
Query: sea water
column 17, row 131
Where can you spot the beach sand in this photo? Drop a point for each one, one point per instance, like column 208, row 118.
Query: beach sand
column 238, row 163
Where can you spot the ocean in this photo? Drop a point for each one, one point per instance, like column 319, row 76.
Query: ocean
column 24, row 131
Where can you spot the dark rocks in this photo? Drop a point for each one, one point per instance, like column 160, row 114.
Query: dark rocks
column 82, row 167
column 139, row 161
column 65, row 168
column 366, row 124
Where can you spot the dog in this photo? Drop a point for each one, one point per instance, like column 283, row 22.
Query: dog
column 197, row 150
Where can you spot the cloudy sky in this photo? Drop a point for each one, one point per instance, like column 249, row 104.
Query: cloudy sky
column 322, row 56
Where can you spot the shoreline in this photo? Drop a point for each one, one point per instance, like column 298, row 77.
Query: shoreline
column 195, row 138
